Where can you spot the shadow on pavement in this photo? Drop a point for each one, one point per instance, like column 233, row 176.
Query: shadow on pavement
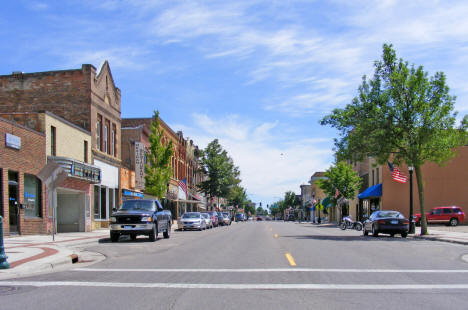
column 126, row 239
column 387, row 238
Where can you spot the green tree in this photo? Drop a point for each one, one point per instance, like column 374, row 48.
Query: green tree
column 158, row 170
column 340, row 177
column 291, row 200
column 219, row 169
column 237, row 196
column 400, row 114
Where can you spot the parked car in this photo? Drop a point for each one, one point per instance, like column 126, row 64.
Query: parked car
column 290, row 217
column 220, row 219
column 226, row 219
column 388, row 222
column 192, row 220
column 259, row 218
column 208, row 220
column 452, row 215
column 240, row 217
column 214, row 218
column 140, row 217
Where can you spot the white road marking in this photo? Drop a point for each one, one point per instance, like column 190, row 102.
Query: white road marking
column 279, row 270
column 241, row 286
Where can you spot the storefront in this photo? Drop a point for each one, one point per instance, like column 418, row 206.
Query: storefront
column 369, row 201
column 106, row 194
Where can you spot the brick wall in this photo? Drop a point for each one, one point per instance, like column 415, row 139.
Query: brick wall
column 30, row 159
column 65, row 93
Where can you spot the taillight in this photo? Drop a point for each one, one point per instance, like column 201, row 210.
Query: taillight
column 381, row 221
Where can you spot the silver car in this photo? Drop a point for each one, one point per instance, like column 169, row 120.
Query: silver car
column 192, row 220
column 208, row 220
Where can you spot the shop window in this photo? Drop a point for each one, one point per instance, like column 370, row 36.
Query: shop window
column 32, row 196
column 97, row 202
column 113, row 141
column 377, row 175
column 103, row 203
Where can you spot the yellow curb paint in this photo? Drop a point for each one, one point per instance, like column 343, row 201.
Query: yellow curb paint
column 290, row 259
column 276, row 235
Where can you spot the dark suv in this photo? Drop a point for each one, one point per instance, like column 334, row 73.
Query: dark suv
column 452, row 216
column 140, row 217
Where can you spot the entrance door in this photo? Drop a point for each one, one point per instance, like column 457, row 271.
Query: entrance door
column 13, row 204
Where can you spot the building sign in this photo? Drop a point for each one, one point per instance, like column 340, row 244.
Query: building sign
column 139, row 165
column 132, row 193
column 12, row 141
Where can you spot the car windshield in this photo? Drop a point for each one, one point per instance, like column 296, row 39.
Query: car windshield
column 205, row 215
column 193, row 215
column 394, row 214
column 146, row 205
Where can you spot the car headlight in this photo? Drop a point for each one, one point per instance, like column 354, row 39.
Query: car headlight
column 113, row 219
column 146, row 219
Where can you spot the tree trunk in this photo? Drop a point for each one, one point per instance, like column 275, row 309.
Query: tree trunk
column 419, row 178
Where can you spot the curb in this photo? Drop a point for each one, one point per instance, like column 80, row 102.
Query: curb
column 462, row 242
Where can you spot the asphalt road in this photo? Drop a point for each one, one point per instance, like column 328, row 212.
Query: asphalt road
column 256, row 265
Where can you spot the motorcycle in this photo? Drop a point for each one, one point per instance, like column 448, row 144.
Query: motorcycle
column 348, row 223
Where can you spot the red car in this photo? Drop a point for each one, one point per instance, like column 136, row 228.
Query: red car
column 451, row 215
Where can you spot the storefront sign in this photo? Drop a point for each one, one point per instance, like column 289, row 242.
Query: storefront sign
column 131, row 193
column 139, row 165
column 12, row 141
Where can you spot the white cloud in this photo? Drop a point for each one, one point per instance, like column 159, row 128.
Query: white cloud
column 268, row 166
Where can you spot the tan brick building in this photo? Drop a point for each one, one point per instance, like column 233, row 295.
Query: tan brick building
column 444, row 186
column 22, row 194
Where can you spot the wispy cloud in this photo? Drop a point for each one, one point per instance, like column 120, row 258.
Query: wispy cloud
column 268, row 169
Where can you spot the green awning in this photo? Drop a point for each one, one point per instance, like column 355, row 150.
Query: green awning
column 327, row 202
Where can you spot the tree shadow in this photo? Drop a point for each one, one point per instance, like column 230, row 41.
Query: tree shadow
column 386, row 238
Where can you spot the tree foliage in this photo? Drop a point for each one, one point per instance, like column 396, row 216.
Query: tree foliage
column 402, row 114
column 340, row 177
column 219, row 169
column 291, row 200
column 158, row 170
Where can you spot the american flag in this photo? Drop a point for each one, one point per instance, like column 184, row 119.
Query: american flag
column 396, row 174
column 183, row 185
column 337, row 193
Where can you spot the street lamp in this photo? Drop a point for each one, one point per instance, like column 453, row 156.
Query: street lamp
column 319, row 206
column 411, row 220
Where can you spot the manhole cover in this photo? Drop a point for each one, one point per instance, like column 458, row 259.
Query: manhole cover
column 10, row 290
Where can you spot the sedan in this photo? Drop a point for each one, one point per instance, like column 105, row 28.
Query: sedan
column 387, row 222
column 214, row 218
column 192, row 220
column 226, row 219
column 220, row 219
column 208, row 220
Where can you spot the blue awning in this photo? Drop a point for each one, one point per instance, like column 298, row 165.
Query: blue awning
column 373, row 191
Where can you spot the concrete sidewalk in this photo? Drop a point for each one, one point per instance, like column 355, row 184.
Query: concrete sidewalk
column 33, row 254
column 454, row 234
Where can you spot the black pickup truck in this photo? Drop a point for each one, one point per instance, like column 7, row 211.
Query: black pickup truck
column 140, row 217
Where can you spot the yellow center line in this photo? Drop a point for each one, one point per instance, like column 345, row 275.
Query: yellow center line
column 276, row 235
column 290, row 259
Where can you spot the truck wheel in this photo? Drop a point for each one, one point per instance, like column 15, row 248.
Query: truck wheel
column 114, row 237
column 167, row 233
column 153, row 234
column 453, row 222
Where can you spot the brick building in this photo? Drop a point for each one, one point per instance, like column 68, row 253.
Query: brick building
column 67, row 145
column 443, row 186
column 22, row 194
column 87, row 99
column 182, row 162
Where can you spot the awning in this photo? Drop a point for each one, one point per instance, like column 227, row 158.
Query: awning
column 373, row 191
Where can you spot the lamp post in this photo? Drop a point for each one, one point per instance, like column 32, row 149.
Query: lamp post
column 3, row 258
column 411, row 220
column 319, row 206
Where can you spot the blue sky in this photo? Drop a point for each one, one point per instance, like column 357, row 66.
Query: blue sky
column 257, row 75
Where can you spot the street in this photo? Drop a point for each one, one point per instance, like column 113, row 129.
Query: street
column 255, row 265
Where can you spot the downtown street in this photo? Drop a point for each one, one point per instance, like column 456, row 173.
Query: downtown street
column 255, row 265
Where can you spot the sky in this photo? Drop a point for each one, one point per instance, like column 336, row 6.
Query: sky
column 257, row 75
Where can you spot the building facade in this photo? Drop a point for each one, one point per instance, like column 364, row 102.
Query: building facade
column 86, row 98
column 22, row 194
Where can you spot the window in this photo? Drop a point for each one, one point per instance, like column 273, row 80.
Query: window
column 105, row 149
column 97, row 201
column 447, row 211
column 437, row 211
column 99, row 133
column 113, row 144
column 373, row 177
column 53, row 141
column 377, row 175
column 85, row 150
column 32, row 196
